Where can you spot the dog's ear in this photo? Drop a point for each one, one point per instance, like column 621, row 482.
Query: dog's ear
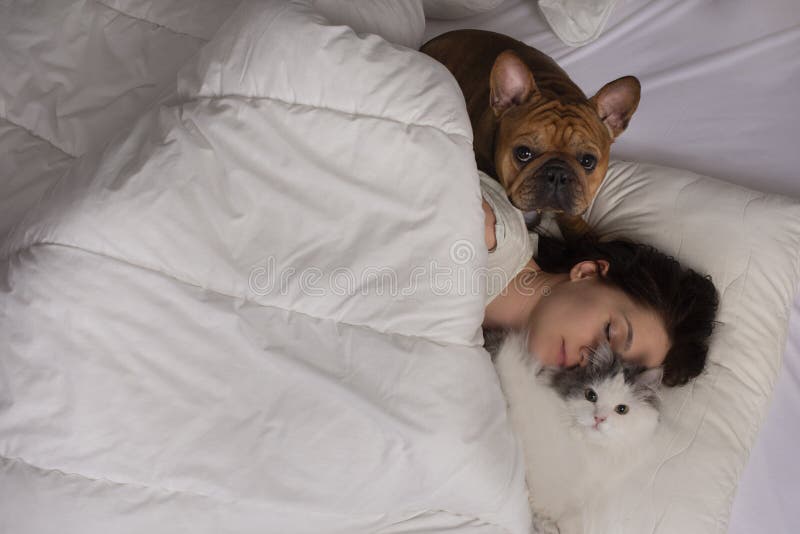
column 616, row 102
column 511, row 82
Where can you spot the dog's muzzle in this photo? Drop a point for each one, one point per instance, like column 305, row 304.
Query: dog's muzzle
column 554, row 187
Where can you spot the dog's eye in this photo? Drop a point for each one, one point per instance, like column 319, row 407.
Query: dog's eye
column 523, row 154
column 588, row 162
column 590, row 395
column 621, row 409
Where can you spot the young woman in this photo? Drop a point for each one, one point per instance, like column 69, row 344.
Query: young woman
column 651, row 310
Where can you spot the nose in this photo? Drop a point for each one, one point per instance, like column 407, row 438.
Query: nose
column 558, row 175
column 598, row 419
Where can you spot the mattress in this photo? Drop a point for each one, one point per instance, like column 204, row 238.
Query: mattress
column 720, row 96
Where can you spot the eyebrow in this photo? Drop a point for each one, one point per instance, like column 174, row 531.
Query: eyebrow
column 629, row 340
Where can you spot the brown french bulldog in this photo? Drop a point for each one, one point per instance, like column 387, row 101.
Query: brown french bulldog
column 534, row 129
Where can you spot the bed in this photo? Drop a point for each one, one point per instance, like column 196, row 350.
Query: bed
column 700, row 64
column 91, row 225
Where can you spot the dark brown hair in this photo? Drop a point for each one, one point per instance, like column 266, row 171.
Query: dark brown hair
column 685, row 300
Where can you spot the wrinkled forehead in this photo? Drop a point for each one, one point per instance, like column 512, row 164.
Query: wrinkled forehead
column 557, row 126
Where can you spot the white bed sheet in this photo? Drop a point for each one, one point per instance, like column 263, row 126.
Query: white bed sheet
column 721, row 97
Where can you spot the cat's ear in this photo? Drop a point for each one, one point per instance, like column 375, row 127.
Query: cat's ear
column 650, row 378
column 647, row 384
column 602, row 357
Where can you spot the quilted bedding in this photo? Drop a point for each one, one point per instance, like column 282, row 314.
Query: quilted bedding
column 227, row 319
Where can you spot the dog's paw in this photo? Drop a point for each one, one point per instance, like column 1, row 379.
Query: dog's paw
column 544, row 525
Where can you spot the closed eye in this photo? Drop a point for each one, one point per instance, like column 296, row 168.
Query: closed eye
column 629, row 338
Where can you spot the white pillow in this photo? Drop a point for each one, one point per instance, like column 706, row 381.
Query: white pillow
column 577, row 22
column 456, row 9
column 749, row 242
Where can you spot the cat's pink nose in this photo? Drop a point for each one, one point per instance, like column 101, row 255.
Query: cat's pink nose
column 598, row 419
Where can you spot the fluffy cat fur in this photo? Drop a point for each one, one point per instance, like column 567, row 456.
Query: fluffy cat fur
column 570, row 456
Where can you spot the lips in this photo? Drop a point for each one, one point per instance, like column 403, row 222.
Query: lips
column 562, row 355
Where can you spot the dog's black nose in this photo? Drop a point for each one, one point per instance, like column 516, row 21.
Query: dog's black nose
column 554, row 187
column 558, row 175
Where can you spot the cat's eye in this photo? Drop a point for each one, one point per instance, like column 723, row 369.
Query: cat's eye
column 590, row 395
column 621, row 409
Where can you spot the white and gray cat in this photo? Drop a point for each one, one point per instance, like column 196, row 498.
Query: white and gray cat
column 581, row 429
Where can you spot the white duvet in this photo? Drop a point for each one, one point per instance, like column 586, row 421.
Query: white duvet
column 250, row 315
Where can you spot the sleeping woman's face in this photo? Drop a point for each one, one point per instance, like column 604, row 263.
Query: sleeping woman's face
column 581, row 311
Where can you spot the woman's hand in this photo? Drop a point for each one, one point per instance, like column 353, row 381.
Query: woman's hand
column 489, row 221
